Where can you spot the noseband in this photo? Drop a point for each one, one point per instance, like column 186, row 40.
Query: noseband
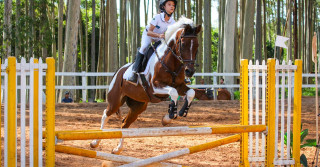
column 182, row 61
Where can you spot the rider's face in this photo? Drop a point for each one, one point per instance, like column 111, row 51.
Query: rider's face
column 169, row 7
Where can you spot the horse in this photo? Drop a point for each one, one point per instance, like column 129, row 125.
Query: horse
column 171, row 62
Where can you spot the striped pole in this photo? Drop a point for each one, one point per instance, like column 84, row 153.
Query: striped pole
column 297, row 113
column 152, row 132
column 12, row 134
column 185, row 151
column 50, row 113
column 103, row 156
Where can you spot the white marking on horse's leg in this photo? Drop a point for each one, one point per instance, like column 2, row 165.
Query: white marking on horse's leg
column 119, row 148
column 190, row 95
column 174, row 96
column 169, row 91
column 95, row 143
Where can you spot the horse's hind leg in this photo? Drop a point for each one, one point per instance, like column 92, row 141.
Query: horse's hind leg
column 112, row 107
column 136, row 108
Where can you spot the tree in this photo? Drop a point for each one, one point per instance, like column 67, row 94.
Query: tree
column 221, row 34
column 70, row 54
column 7, row 27
column 258, row 45
column 247, row 33
column 229, row 46
column 93, row 47
column 113, row 37
column 17, row 45
column 60, row 37
column 200, row 50
column 207, row 40
column 122, row 42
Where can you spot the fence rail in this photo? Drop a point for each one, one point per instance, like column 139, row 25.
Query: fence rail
column 214, row 86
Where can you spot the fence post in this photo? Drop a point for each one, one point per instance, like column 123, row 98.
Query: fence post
column 214, row 85
column 297, row 113
column 271, row 112
column 50, row 113
column 35, row 112
column 84, row 84
column 244, row 111
column 12, row 138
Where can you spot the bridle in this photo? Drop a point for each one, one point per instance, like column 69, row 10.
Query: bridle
column 179, row 43
column 182, row 61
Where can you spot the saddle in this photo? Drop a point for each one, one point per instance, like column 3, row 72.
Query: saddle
column 149, row 53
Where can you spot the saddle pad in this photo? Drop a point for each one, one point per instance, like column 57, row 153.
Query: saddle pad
column 129, row 72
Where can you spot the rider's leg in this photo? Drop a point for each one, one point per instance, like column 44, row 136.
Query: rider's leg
column 136, row 68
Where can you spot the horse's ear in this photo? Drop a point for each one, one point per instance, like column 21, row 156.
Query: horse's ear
column 198, row 29
column 187, row 28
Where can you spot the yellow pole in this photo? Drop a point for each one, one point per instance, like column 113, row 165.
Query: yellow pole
column 213, row 144
column 297, row 112
column 76, row 151
column 35, row 114
column 270, row 120
column 50, row 113
column 12, row 111
column 244, row 112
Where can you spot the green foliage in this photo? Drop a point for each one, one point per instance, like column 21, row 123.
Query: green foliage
column 236, row 95
column 214, row 48
column 270, row 49
column 307, row 143
column 100, row 100
column 309, row 92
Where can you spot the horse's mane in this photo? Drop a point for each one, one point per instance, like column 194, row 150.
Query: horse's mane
column 176, row 26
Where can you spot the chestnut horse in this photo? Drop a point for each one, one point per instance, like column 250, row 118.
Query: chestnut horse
column 172, row 61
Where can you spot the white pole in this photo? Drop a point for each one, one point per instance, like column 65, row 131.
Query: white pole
column 31, row 111
column 23, row 112
column 40, row 64
column 250, row 108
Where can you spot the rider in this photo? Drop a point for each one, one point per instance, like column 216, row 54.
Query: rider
column 154, row 32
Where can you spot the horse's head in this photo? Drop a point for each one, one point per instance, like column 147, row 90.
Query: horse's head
column 187, row 47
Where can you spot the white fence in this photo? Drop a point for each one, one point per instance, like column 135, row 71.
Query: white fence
column 214, row 85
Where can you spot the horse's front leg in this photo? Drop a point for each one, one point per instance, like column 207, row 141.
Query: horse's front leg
column 187, row 103
column 172, row 111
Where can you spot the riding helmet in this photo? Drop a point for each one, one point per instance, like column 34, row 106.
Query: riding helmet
column 163, row 3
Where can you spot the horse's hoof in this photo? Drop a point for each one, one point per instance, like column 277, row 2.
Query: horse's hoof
column 116, row 151
column 166, row 120
column 94, row 144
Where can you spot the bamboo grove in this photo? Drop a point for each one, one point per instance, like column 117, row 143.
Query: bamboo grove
column 103, row 35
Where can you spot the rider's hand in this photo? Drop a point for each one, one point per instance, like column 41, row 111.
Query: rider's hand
column 161, row 36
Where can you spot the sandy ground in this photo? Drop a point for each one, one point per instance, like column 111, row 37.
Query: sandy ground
column 88, row 116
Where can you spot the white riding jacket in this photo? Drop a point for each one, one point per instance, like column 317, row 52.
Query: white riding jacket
column 161, row 27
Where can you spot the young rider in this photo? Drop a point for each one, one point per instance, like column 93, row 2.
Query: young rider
column 153, row 32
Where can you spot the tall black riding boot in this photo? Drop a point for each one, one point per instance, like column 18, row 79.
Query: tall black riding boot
column 136, row 67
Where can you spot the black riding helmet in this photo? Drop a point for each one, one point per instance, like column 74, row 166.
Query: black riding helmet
column 163, row 3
